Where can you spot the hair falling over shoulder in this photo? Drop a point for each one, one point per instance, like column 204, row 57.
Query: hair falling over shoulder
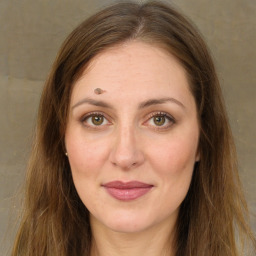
column 213, row 218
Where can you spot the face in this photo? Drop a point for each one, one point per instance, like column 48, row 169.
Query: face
column 133, row 144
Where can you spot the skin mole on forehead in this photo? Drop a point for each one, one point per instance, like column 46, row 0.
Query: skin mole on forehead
column 99, row 91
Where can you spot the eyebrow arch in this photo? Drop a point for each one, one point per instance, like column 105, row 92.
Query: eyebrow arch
column 144, row 104
column 92, row 102
column 159, row 101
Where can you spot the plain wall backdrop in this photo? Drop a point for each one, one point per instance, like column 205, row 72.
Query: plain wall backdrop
column 31, row 32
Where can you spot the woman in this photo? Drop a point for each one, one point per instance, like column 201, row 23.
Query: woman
column 133, row 152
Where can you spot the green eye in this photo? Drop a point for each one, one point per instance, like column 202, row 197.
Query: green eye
column 159, row 120
column 97, row 120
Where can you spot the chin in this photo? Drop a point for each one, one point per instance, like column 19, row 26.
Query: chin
column 124, row 222
column 128, row 227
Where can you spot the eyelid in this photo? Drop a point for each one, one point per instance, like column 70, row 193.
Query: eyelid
column 95, row 113
column 160, row 113
column 92, row 113
column 164, row 114
column 148, row 117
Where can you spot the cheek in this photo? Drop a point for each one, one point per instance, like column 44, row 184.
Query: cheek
column 85, row 157
column 175, row 156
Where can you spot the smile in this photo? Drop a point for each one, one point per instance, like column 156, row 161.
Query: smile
column 127, row 191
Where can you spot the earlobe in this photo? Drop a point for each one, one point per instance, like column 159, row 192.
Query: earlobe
column 64, row 147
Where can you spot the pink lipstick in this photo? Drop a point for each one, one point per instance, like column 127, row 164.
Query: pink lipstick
column 127, row 191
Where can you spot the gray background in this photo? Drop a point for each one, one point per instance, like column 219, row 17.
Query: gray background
column 32, row 32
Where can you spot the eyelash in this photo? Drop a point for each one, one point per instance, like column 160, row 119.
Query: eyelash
column 169, row 118
column 92, row 114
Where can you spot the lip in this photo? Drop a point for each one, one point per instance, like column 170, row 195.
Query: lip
column 127, row 191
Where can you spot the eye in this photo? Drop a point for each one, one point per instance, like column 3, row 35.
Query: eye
column 97, row 120
column 94, row 119
column 160, row 120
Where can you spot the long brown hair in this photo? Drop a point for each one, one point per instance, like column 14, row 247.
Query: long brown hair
column 55, row 221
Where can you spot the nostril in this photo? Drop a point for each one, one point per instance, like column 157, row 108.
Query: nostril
column 125, row 165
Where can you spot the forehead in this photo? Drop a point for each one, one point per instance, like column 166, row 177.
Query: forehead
column 134, row 55
column 133, row 68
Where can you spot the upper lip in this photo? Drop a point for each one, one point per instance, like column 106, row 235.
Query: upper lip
column 126, row 185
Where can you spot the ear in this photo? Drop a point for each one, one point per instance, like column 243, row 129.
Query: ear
column 64, row 145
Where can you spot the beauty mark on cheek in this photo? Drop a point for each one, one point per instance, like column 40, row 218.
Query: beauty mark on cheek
column 99, row 91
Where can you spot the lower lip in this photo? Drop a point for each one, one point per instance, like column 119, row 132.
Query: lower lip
column 127, row 194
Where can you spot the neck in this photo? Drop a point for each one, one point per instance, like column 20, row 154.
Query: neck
column 154, row 241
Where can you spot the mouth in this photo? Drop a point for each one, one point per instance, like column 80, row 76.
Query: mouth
column 127, row 191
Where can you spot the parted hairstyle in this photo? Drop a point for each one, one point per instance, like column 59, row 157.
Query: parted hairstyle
column 213, row 218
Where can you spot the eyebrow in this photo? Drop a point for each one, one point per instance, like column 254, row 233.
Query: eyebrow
column 159, row 101
column 142, row 105
column 93, row 102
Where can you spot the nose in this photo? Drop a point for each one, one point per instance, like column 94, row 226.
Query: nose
column 126, row 152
